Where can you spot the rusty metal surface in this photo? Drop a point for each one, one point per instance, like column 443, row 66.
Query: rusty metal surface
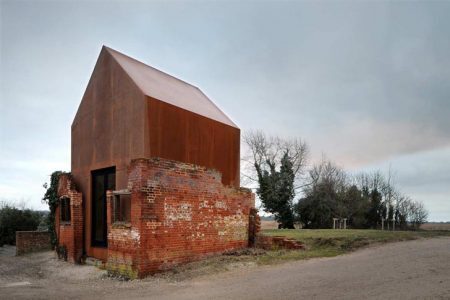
column 108, row 130
column 181, row 135
column 116, row 122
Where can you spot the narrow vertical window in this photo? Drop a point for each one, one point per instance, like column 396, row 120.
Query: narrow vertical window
column 65, row 209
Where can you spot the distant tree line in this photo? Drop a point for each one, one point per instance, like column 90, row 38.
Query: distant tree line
column 325, row 191
column 364, row 200
column 14, row 219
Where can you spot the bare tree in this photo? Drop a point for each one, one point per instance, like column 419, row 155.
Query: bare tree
column 417, row 214
column 265, row 152
column 275, row 166
column 390, row 193
column 328, row 173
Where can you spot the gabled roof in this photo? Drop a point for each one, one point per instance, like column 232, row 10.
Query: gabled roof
column 164, row 87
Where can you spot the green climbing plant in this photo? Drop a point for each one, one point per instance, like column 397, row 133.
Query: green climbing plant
column 51, row 198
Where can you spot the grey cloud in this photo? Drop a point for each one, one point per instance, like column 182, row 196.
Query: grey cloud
column 363, row 82
column 424, row 176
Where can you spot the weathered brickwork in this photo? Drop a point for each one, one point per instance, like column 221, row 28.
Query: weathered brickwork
column 31, row 241
column 70, row 234
column 179, row 212
column 254, row 227
column 277, row 242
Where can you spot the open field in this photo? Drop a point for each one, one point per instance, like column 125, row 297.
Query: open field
column 435, row 226
column 351, row 234
column 268, row 225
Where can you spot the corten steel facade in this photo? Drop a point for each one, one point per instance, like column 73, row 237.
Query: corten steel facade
column 131, row 111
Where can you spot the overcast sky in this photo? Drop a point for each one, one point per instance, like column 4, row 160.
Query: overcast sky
column 368, row 84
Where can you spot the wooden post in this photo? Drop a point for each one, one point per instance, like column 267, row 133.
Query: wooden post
column 345, row 223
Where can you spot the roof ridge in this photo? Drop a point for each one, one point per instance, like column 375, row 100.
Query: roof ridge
column 168, row 88
column 138, row 61
column 213, row 103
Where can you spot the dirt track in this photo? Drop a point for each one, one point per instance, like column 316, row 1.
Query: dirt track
column 407, row 270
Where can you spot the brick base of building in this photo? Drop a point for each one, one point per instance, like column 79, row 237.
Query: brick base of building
column 179, row 213
column 70, row 233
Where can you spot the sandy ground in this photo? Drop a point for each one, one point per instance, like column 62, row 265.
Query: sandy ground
column 417, row 269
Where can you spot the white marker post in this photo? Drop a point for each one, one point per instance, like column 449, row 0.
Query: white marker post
column 334, row 222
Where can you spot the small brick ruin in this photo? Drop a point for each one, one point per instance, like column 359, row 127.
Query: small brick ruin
column 180, row 212
column 32, row 241
column 70, row 234
column 278, row 242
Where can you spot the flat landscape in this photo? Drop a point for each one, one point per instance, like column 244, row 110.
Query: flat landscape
column 436, row 226
column 266, row 224
column 378, row 271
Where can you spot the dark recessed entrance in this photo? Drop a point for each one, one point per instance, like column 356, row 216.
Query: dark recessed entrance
column 102, row 180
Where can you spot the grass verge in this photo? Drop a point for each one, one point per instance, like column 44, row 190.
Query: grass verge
column 329, row 242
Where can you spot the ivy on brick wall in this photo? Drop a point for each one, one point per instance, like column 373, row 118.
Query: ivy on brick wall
column 51, row 198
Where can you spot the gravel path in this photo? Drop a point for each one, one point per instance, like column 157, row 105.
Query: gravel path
column 417, row 269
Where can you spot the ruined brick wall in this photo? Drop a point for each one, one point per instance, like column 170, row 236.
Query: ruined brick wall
column 70, row 234
column 31, row 241
column 180, row 212
column 124, row 241
column 254, row 226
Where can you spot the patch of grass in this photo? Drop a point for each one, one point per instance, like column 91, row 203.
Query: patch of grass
column 282, row 255
column 329, row 242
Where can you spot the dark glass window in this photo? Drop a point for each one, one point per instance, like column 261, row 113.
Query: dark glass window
column 102, row 180
column 99, row 208
column 64, row 208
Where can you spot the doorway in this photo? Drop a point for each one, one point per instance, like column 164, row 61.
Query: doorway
column 102, row 180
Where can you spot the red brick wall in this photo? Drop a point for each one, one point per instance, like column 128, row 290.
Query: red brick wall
column 70, row 234
column 254, row 227
column 31, row 241
column 180, row 212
